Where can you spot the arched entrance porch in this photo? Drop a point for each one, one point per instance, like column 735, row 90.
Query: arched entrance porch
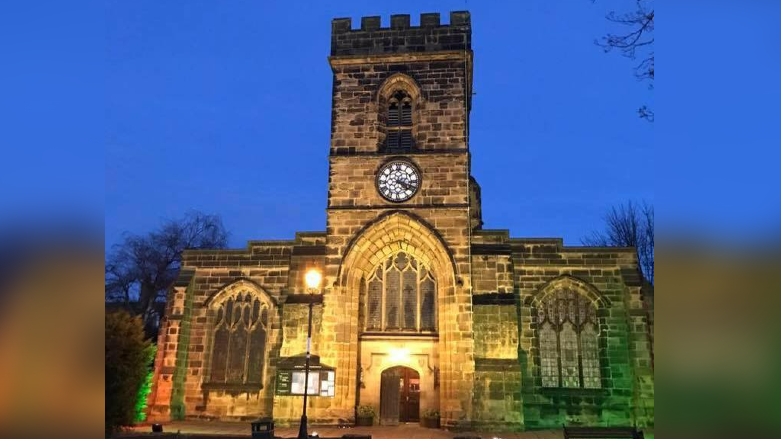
column 400, row 277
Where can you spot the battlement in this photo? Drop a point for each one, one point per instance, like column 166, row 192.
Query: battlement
column 401, row 37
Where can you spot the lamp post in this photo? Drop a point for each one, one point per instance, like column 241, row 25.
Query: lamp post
column 312, row 279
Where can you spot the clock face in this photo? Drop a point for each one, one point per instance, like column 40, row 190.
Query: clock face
column 398, row 181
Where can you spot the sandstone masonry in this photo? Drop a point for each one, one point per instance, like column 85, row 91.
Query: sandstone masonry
column 236, row 318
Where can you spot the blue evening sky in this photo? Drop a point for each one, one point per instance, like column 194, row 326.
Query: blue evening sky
column 224, row 107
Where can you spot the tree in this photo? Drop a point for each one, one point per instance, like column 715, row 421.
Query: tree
column 141, row 268
column 128, row 355
column 636, row 42
column 629, row 225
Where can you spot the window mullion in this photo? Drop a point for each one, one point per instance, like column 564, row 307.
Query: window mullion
column 384, row 294
column 228, row 350
column 248, row 309
column 578, row 332
column 418, row 299
column 557, row 328
column 400, row 313
column 434, row 302
column 580, row 360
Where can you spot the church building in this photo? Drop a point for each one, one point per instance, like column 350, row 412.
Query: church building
column 420, row 309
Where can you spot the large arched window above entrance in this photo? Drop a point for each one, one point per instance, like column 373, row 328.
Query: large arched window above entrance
column 239, row 343
column 569, row 340
column 400, row 296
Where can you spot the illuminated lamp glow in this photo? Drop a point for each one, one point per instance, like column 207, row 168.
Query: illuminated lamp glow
column 399, row 355
column 313, row 278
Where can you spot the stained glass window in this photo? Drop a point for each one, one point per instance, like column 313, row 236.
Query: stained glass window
column 549, row 356
column 428, row 317
column 374, row 311
column 239, row 342
column 392, row 297
column 409, row 297
column 257, row 348
column 569, row 341
column 570, row 376
column 401, row 297
column 589, row 350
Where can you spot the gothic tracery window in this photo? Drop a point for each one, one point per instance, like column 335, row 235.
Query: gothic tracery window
column 400, row 297
column 398, row 126
column 239, row 343
column 569, row 341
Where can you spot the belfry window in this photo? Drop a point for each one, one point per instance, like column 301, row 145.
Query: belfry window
column 398, row 126
column 400, row 297
column 239, row 343
column 569, row 341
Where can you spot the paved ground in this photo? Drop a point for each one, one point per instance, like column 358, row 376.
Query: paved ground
column 408, row 431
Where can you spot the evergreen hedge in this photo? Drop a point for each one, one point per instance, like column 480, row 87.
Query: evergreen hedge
column 128, row 358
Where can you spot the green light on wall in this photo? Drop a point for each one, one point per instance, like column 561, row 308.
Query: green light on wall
column 146, row 388
column 143, row 394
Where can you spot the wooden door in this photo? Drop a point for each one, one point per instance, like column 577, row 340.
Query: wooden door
column 399, row 396
column 409, row 396
column 389, row 396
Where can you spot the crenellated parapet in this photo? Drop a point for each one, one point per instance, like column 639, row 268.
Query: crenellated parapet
column 373, row 39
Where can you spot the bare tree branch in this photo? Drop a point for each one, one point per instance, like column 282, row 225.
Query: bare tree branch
column 639, row 38
column 646, row 113
column 140, row 269
column 629, row 225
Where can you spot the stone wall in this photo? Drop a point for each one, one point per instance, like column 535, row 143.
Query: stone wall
column 432, row 63
column 294, row 328
column 626, row 395
column 287, row 409
column 167, row 396
column 613, row 273
column 498, row 404
column 436, row 60
column 491, row 273
column 274, row 267
column 444, row 181
column 496, row 331
column 497, row 389
column 475, row 204
column 435, row 236
column 440, row 112
column 430, row 36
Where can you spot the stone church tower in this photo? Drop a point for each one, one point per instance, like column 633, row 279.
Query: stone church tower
column 421, row 309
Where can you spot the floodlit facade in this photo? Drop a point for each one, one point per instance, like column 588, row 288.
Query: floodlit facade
column 421, row 308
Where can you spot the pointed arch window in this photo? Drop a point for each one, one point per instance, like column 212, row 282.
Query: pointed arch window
column 569, row 341
column 398, row 134
column 401, row 297
column 238, row 351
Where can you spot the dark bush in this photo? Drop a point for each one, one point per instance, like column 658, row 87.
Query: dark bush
column 127, row 365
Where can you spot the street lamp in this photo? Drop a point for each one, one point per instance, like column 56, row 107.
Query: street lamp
column 312, row 278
